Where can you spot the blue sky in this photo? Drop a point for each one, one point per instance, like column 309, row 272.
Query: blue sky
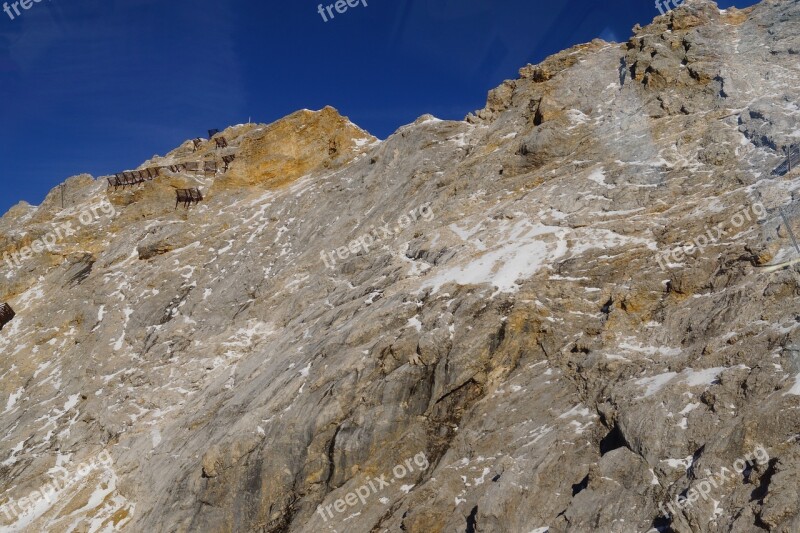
column 99, row 86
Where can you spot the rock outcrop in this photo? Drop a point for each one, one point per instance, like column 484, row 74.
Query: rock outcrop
column 551, row 316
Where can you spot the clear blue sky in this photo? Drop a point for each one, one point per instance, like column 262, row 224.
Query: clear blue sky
column 99, row 86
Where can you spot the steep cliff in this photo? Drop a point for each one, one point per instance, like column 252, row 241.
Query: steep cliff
column 552, row 316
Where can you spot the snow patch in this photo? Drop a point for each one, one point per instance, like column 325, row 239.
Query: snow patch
column 520, row 252
column 655, row 383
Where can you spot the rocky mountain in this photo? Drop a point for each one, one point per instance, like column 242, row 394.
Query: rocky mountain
column 558, row 315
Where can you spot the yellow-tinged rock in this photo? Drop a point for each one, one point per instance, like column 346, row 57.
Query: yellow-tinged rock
column 295, row 146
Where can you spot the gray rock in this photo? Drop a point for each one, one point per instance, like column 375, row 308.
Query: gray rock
column 550, row 316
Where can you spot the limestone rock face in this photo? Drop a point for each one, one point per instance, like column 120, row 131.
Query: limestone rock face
column 552, row 316
column 295, row 146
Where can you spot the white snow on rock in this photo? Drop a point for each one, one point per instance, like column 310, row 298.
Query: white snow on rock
column 689, row 377
column 655, row 383
column 795, row 390
column 519, row 252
